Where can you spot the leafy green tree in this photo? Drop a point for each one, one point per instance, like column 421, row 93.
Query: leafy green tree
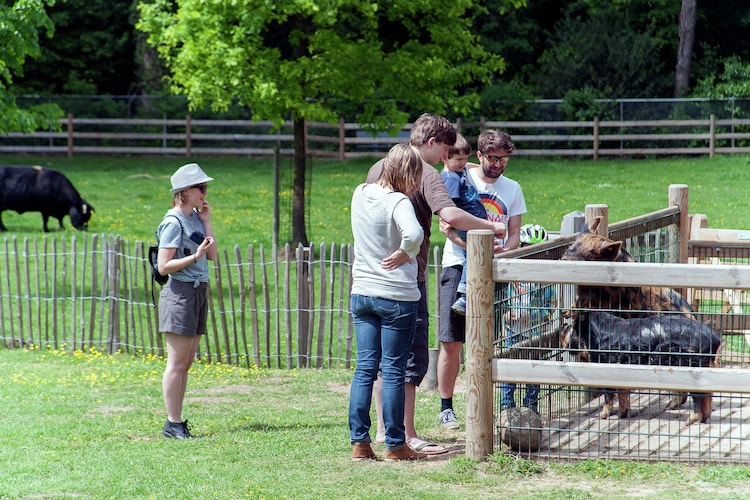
column 21, row 23
column 718, row 36
column 317, row 61
column 732, row 87
column 602, row 52
column 733, row 81
column 518, row 36
column 534, row 40
column 585, row 104
column 91, row 53
column 672, row 62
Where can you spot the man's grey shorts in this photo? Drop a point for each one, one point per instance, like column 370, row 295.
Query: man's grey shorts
column 419, row 359
column 452, row 326
column 183, row 309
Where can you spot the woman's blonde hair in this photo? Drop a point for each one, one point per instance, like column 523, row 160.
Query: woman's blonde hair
column 178, row 196
column 402, row 169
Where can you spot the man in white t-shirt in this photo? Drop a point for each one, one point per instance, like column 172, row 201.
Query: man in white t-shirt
column 504, row 202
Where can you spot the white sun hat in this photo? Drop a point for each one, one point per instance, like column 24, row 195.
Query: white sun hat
column 188, row 175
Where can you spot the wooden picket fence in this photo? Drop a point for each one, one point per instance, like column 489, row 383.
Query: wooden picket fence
column 285, row 308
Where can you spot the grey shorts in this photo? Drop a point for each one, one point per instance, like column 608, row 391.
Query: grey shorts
column 419, row 359
column 452, row 326
column 183, row 309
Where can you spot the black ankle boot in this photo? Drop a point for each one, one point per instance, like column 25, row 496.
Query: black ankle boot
column 177, row 430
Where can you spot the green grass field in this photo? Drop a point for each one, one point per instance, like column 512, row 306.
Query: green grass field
column 130, row 194
column 86, row 425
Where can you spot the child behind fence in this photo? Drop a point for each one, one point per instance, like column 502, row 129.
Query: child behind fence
column 530, row 306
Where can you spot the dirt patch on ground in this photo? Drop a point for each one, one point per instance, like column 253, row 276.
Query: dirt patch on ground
column 211, row 399
column 230, row 389
column 338, row 387
column 108, row 411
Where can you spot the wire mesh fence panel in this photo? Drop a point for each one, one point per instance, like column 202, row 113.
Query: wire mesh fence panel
column 651, row 374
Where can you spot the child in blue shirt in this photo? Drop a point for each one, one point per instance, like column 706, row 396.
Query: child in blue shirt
column 465, row 196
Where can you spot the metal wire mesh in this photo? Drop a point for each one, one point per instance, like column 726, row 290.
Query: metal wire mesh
column 571, row 424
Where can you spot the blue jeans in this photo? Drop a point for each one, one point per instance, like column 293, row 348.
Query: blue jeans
column 385, row 332
column 508, row 389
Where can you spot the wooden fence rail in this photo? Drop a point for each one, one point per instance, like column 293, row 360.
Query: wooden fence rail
column 188, row 137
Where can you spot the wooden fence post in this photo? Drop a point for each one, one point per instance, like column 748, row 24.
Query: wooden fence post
column 303, row 306
column 430, row 380
column 595, row 210
column 287, row 303
column 310, row 296
column 94, row 284
column 678, row 195
column 73, row 283
column 711, row 135
column 596, row 138
column 70, row 135
column 18, row 334
column 342, row 140
column 251, row 296
column 113, row 285
column 188, row 136
column 479, row 334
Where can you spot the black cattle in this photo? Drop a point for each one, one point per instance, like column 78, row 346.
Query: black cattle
column 665, row 339
column 37, row 189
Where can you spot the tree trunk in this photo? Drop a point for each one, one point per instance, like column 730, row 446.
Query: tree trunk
column 299, row 230
column 685, row 49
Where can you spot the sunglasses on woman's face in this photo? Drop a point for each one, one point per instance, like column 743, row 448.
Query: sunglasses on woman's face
column 202, row 187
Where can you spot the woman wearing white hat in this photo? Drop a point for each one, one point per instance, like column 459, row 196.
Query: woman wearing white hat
column 186, row 241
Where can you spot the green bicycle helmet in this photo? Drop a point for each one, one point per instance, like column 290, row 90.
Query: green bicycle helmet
column 533, row 233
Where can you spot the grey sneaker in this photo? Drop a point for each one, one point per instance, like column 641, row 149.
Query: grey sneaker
column 448, row 419
column 459, row 306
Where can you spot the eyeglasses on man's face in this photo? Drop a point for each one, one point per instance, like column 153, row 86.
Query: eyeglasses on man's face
column 203, row 187
column 494, row 158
